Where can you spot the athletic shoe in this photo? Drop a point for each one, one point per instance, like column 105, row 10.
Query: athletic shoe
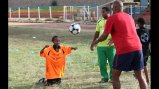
column 103, row 81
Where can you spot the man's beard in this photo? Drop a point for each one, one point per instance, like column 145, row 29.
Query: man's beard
column 105, row 17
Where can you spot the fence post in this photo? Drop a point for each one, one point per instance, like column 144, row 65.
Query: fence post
column 88, row 13
column 10, row 12
column 50, row 12
column 131, row 12
column 111, row 6
column 64, row 13
column 135, row 10
column 19, row 12
column 29, row 12
column 84, row 12
column 97, row 11
column 70, row 13
column 39, row 12
column 73, row 13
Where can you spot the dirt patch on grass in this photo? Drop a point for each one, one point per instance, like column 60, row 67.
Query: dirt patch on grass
column 85, row 27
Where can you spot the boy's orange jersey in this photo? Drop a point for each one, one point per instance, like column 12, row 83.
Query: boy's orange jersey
column 55, row 61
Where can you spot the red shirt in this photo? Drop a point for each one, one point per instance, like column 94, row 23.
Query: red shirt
column 122, row 28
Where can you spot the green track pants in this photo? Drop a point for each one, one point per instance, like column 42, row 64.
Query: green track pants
column 104, row 54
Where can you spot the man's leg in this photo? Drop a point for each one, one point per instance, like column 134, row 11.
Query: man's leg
column 145, row 68
column 138, row 65
column 140, row 78
column 146, row 74
column 111, row 53
column 116, row 81
column 122, row 62
column 102, row 60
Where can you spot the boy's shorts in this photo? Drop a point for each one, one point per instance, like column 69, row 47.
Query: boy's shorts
column 129, row 61
column 53, row 81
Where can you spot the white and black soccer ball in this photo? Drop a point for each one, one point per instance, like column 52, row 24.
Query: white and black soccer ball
column 144, row 37
column 75, row 28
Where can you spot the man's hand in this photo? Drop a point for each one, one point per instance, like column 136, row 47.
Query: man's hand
column 94, row 43
column 91, row 48
column 110, row 43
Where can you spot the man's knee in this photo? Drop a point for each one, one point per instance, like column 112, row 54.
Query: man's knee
column 138, row 74
column 116, row 74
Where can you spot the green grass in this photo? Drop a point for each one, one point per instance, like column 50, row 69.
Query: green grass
column 26, row 67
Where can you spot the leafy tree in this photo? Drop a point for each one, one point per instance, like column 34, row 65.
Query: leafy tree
column 136, row 0
column 54, row 3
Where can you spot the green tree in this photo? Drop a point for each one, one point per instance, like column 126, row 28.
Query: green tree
column 54, row 3
column 136, row 0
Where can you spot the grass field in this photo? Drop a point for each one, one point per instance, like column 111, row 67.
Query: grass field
column 26, row 67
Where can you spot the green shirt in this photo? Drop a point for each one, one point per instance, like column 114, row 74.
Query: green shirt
column 100, row 28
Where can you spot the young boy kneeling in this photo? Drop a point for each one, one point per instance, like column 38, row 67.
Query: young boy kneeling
column 55, row 60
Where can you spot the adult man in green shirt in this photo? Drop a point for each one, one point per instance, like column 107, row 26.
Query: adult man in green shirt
column 105, row 50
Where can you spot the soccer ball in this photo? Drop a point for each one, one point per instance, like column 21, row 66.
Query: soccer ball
column 144, row 37
column 75, row 28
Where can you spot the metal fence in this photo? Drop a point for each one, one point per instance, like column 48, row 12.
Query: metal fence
column 74, row 13
column 36, row 12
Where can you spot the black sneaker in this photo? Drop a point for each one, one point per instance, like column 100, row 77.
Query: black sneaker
column 42, row 80
column 56, row 81
column 103, row 81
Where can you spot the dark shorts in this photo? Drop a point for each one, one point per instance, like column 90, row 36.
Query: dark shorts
column 53, row 81
column 129, row 61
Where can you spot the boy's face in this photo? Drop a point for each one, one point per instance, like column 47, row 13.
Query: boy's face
column 57, row 41
column 140, row 25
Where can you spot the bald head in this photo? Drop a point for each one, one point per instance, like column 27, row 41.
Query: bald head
column 117, row 6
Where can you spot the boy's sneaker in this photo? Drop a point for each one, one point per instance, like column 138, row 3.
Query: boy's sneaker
column 42, row 80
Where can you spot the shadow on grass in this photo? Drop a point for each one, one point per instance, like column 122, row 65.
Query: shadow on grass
column 86, row 85
column 83, row 76
column 66, row 85
column 98, row 87
column 84, row 81
column 35, row 86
